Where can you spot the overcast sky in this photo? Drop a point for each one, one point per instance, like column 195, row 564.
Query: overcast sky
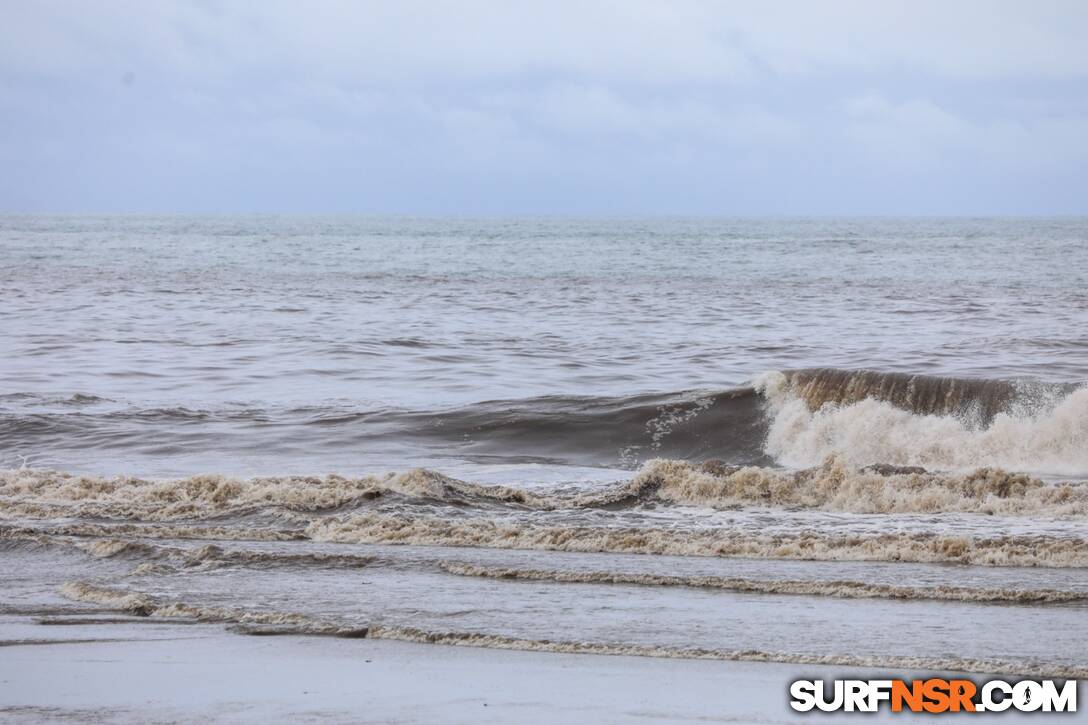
column 582, row 107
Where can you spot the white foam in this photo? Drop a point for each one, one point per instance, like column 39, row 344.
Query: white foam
column 1053, row 440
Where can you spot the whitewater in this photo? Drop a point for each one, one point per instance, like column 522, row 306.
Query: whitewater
column 745, row 440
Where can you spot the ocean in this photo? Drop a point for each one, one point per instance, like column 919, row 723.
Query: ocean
column 787, row 440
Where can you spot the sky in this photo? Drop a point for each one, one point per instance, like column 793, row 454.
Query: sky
column 589, row 107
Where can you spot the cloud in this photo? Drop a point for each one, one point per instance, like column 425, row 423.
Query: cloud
column 913, row 133
column 599, row 105
column 917, row 133
column 686, row 41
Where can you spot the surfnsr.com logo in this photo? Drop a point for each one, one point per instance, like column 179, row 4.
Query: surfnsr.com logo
column 933, row 695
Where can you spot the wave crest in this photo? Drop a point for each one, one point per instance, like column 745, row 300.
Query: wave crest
column 44, row 493
column 866, row 418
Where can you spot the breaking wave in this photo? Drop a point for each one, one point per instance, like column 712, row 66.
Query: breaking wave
column 795, row 418
column 838, row 486
column 850, row 442
column 834, row 485
column 909, row 420
column 39, row 493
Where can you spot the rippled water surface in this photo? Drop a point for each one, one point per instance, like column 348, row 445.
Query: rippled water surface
column 761, row 439
column 169, row 345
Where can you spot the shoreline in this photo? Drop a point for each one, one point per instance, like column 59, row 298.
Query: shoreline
column 161, row 671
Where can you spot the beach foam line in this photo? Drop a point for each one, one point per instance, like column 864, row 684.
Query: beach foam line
column 372, row 528
column 213, row 556
column 837, row 588
column 279, row 623
column 149, row 531
column 497, row 641
column 145, row 605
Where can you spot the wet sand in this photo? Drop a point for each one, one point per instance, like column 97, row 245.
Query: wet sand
column 152, row 671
